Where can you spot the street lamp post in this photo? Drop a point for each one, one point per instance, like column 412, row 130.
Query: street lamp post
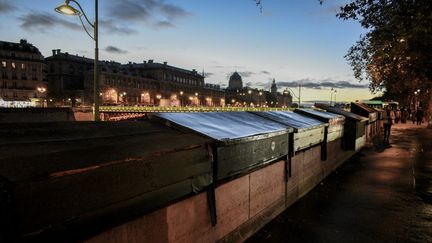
column 331, row 96
column 335, row 92
column 69, row 10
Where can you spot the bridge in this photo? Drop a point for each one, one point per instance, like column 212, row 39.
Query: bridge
column 117, row 113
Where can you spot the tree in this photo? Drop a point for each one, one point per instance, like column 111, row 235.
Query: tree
column 395, row 55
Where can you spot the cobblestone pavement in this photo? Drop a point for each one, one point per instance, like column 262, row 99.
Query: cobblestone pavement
column 383, row 194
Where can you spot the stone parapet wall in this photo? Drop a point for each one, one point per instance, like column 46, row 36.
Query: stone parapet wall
column 17, row 115
column 243, row 205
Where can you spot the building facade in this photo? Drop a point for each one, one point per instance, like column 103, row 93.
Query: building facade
column 22, row 80
column 70, row 78
column 237, row 95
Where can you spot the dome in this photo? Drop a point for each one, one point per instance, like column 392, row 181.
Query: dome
column 235, row 81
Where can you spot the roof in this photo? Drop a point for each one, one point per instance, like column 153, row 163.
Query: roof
column 30, row 151
column 155, row 65
column 235, row 77
column 364, row 107
column 70, row 57
column 224, row 126
column 373, row 102
column 22, row 46
column 348, row 115
column 294, row 120
column 321, row 115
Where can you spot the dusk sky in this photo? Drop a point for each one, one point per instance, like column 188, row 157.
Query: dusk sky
column 291, row 41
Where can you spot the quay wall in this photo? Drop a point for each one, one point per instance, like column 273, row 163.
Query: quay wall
column 17, row 115
column 243, row 205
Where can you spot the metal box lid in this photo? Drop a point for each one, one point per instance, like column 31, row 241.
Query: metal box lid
column 226, row 126
column 364, row 110
column 244, row 141
column 348, row 115
column 298, row 122
column 95, row 169
column 324, row 116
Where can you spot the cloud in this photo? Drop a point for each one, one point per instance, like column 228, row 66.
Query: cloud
column 173, row 12
column 248, row 84
column 113, row 49
column 43, row 21
column 156, row 13
column 164, row 24
column 265, row 72
column 246, row 74
column 227, row 67
column 206, row 75
column 112, row 28
column 321, row 84
column 6, row 7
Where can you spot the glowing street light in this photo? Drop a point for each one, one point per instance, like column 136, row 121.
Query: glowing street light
column 41, row 89
column 67, row 9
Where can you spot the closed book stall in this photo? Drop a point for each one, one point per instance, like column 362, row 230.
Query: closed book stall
column 242, row 141
column 308, row 132
column 68, row 179
column 354, row 128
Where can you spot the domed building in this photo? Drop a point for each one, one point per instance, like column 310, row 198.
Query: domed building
column 235, row 81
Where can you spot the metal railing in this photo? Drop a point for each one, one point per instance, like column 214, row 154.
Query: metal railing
column 150, row 109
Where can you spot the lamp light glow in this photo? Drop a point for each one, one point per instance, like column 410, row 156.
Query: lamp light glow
column 66, row 9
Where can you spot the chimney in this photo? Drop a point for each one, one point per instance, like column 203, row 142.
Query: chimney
column 150, row 61
column 23, row 41
column 165, row 63
column 54, row 52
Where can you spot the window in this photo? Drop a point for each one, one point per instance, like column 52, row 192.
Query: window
column 3, row 64
column 4, row 85
column 23, row 66
column 4, row 75
column 13, row 65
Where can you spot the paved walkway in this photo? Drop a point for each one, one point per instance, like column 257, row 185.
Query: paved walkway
column 383, row 194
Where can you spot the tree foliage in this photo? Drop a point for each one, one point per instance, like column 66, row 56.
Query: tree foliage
column 395, row 54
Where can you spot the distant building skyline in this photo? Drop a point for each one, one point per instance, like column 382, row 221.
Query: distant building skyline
column 291, row 41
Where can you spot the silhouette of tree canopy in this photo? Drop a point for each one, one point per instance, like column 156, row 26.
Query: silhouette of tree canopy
column 395, row 54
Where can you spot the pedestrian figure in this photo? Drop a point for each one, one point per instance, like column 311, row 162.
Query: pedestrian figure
column 404, row 115
column 397, row 115
column 409, row 113
column 413, row 116
column 389, row 117
column 419, row 116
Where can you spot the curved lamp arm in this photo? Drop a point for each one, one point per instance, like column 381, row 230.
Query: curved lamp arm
column 82, row 11
column 292, row 92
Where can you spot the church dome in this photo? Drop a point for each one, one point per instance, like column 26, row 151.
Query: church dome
column 235, row 81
